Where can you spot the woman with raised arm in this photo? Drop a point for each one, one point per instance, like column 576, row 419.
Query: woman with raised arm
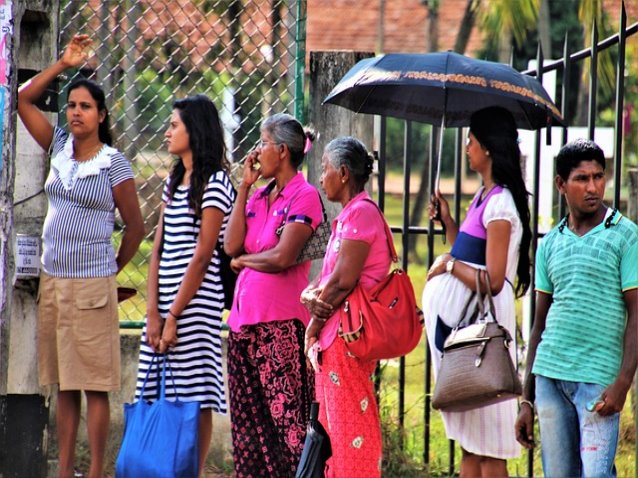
column 78, row 327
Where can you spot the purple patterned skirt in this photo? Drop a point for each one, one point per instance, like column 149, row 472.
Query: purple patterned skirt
column 271, row 389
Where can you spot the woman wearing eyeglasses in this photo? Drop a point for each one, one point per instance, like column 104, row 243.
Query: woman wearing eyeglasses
column 270, row 385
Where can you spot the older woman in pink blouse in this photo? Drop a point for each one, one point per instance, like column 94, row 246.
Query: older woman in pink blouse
column 358, row 252
column 270, row 385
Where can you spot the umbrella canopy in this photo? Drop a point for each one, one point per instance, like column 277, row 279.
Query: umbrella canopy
column 443, row 89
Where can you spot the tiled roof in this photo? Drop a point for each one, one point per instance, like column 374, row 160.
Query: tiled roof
column 354, row 25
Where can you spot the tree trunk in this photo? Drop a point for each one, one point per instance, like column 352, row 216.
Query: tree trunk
column 421, row 198
column 544, row 29
column 467, row 24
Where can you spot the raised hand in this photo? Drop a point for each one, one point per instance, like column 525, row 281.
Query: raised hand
column 251, row 168
column 77, row 51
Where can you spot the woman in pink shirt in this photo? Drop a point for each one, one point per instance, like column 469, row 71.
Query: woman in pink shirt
column 358, row 252
column 270, row 385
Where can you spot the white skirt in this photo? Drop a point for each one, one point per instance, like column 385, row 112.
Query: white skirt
column 486, row 431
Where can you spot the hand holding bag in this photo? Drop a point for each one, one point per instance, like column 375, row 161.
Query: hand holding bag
column 160, row 438
column 383, row 322
column 476, row 368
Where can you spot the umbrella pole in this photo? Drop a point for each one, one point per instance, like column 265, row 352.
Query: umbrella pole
column 437, row 178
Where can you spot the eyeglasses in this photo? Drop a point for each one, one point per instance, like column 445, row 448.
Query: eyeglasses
column 263, row 144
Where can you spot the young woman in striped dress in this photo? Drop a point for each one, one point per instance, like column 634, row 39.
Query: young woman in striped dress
column 78, row 328
column 185, row 295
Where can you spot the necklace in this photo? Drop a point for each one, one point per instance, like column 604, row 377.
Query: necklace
column 90, row 155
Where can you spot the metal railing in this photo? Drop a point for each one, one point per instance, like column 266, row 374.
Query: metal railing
column 563, row 68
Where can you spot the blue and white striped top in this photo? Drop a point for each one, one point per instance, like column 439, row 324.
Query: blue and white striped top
column 79, row 223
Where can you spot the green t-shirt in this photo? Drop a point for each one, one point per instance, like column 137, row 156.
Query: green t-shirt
column 586, row 276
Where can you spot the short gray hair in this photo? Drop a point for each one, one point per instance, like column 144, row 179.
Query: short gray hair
column 285, row 129
column 350, row 152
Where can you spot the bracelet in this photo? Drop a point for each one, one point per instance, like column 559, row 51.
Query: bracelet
column 171, row 313
column 526, row 402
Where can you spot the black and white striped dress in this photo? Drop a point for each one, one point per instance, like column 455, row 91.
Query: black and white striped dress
column 196, row 361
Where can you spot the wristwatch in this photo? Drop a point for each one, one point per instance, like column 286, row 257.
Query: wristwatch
column 449, row 265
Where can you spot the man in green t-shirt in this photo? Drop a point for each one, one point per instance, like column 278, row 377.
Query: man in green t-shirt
column 583, row 346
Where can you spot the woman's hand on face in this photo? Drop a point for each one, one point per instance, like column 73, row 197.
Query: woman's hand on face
column 153, row 329
column 438, row 267
column 439, row 209
column 76, row 51
column 251, row 168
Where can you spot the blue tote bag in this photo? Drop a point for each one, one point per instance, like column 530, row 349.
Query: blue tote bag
column 160, row 438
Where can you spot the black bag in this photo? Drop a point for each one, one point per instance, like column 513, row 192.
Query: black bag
column 227, row 276
column 315, row 246
column 316, row 448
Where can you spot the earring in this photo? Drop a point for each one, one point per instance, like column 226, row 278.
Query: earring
column 487, row 153
column 343, row 181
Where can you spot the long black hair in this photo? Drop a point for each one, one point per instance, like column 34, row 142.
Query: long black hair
column 96, row 92
column 206, row 141
column 495, row 129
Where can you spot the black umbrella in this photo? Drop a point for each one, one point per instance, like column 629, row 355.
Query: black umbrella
column 442, row 89
column 316, row 448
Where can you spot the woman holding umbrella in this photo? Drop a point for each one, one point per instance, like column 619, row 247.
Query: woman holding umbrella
column 495, row 236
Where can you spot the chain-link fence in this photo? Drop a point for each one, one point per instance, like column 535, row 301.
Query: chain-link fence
column 246, row 55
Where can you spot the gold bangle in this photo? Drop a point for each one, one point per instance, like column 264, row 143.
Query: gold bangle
column 524, row 402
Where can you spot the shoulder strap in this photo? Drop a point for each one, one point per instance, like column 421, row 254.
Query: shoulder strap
column 388, row 232
column 323, row 209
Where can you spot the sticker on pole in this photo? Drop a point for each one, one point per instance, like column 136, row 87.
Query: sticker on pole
column 27, row 256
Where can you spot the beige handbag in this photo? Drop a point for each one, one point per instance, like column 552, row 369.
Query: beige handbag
column 476, row 368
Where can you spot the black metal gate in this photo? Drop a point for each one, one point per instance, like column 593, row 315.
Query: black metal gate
column 563, row 67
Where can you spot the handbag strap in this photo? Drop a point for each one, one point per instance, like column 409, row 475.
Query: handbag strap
column 487, row 295
column 388, row 232
column 148, row 373
column 166, row 364
column 280, row 229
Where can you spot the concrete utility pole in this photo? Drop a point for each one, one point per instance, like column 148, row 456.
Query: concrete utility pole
column 28, row 43
column 331, row 121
